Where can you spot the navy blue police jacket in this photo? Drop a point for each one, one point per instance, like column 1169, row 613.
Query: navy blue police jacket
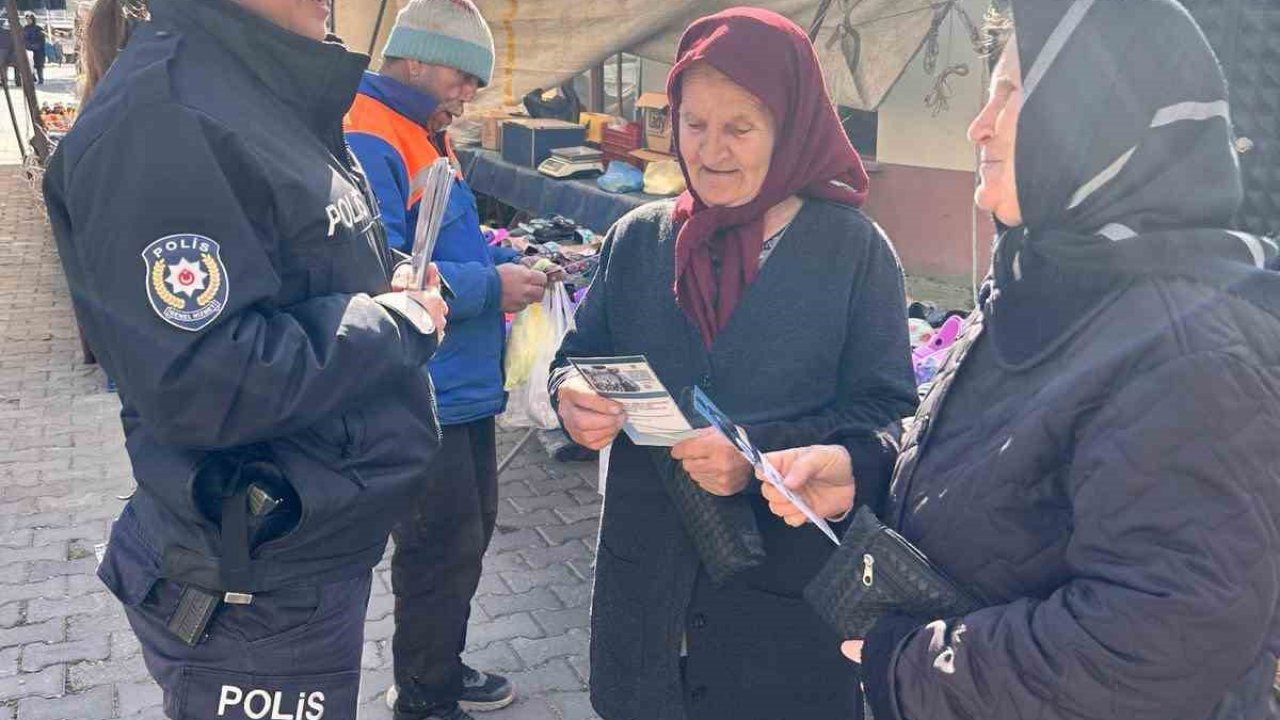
column 223, row 255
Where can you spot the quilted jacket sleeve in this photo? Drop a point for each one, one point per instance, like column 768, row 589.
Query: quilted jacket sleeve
column 1173, row 558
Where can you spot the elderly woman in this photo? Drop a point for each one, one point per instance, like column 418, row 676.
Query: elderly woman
column 1097, row 459
column 788, row 311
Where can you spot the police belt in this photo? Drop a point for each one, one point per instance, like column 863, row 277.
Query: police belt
column 197, row 605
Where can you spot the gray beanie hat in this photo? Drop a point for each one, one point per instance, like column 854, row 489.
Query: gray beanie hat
column 443, row 32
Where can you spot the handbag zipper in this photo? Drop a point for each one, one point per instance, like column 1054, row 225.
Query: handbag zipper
column 927, row 565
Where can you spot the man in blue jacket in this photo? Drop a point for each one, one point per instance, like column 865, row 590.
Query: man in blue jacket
column 437, row 56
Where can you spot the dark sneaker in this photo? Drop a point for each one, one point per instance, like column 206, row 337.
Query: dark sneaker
column 452, row 712
column 482, row 692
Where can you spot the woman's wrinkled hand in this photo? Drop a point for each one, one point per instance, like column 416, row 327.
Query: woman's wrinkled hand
column 591, row 419
column 713, row 463
column 822, row 475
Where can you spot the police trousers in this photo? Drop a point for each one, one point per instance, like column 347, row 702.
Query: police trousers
column 436, row 566
column 291, row 654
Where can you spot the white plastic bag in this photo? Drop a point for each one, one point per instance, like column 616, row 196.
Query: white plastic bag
column 535, row 337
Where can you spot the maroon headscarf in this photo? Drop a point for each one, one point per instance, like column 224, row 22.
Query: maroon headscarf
column 773, row 59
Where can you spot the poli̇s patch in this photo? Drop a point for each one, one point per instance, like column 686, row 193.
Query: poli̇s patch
column 186, row 280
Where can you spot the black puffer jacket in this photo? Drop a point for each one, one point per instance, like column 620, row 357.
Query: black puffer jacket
column 214, row 148
column 1116, row 503
column 1098, row 457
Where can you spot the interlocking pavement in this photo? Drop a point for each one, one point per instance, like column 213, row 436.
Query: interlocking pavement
column 66, row 652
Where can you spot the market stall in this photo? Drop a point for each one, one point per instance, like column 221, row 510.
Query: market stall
column 528, row 190
column 864, row 44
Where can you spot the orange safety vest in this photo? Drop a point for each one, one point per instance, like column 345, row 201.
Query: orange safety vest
column 411, row 140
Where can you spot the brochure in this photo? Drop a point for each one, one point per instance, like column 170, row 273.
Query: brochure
column 738, row 437
column 653, row 417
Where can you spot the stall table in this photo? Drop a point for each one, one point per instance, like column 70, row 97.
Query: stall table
column 527, row 189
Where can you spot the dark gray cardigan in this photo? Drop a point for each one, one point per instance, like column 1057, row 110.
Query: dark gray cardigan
column 815, row 352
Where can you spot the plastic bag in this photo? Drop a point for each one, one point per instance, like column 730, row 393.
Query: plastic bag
column 524, row 344
column 535, row 338
column 664, row 178
column 621, row 178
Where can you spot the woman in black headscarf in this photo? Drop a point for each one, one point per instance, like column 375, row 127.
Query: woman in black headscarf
column 1097, row 458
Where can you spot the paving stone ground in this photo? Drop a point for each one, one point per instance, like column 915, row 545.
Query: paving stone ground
column 66, row 652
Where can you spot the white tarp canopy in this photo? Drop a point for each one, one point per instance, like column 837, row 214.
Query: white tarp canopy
column 542, row 43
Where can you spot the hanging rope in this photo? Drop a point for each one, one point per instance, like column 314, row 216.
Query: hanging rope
column 904, row 13
column 847, row 36
column 939, row 98
column 931, row 45
column 850, row 42
column 975, row 33
column 820, row 18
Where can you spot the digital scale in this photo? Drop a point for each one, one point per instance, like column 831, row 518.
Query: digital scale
column 570, row 161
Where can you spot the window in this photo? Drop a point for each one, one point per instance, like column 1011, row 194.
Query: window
column 861, row 127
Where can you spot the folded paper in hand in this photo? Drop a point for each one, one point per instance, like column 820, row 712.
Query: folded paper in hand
column 738, row 437
column 653, row 418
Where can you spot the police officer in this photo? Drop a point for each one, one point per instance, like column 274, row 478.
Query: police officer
column 229, row 270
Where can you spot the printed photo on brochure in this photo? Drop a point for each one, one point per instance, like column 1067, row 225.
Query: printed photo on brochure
column 653, row 417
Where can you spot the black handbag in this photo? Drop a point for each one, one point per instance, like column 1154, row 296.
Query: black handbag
column 723, row 530
column 874, row 572
column 562, row 104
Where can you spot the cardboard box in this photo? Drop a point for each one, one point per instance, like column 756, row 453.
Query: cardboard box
column 529, row 142
column 642, row 158
column 620, row 139
column 623, row 137
column 596, row 123
column 656, row 118
column 491, row 127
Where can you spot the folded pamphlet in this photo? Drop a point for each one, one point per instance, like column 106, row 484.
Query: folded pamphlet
column 653, row 417
column 738, row 437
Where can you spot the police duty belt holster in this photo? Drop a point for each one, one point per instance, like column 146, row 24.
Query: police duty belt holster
column 723, row 529
column 243, row 503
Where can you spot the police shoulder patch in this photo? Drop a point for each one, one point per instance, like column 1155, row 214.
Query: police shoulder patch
column 186, row 280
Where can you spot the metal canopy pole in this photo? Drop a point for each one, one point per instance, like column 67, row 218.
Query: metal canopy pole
column 13, row 117
column 377, row 26
column 597, row 88
column 617, row 85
